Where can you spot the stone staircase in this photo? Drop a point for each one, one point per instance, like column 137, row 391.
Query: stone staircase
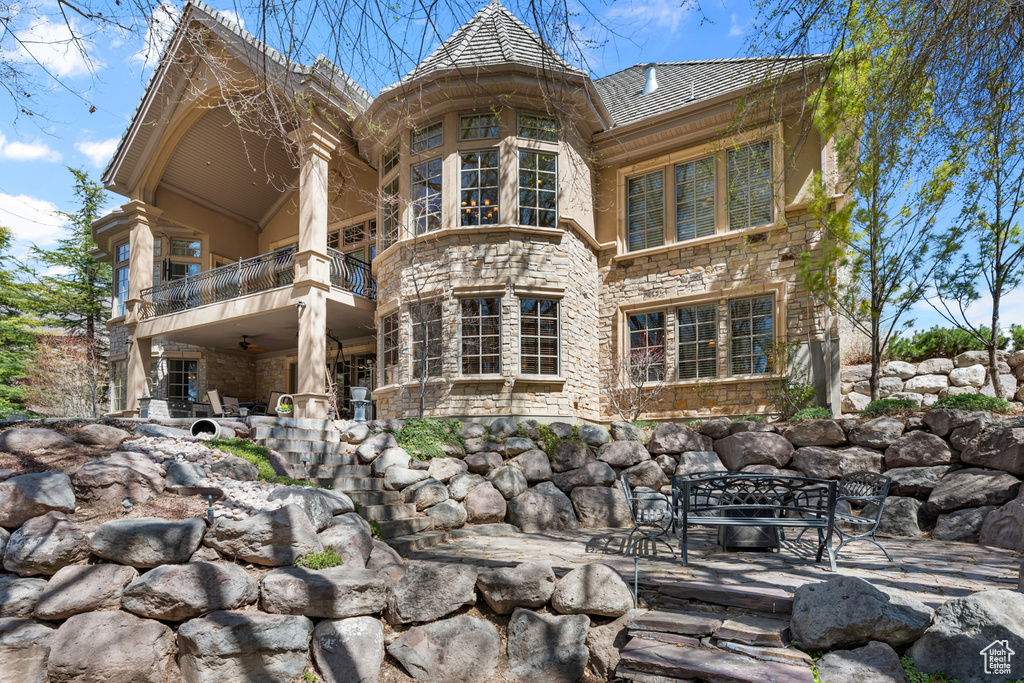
column 714, row 632
column 334, row 463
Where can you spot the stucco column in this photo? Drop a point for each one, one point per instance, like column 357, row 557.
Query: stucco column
column 312, row 269
column 140, row 352
column 141, row 218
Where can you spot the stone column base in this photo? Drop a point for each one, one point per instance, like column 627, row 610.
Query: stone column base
column 311, row 406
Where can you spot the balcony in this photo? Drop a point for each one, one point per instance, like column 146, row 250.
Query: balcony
column 251, row 276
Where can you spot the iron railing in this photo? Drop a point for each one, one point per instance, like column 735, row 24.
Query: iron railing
column 351, row 274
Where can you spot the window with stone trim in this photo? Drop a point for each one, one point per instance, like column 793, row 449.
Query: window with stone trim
column 479, row 126
column 427, row 342
column 427, row 185
column 647, row 344
column 646, row 214
column 536, row 127
column 480, row 335
column 118, row 385
column 749, row 180
column 539, row 344
column 390, row 341
column 390, row 229
column 478, row 187
column 695, row 199
column 751, row 331
column 538, row 189
column 697, row 341
column 427, row 138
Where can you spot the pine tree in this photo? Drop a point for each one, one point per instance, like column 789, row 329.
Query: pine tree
column 15, row 332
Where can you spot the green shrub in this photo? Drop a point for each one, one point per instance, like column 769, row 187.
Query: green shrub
column 549, row 443
column 889, row 406
column 641, row 424
column 938, row 342
column 1017, row 334
column 321, row 560
column 425, row 438
column 811, row 414
column 973, row 402
column 375, row 530
column 257, row 455
column 751, row 418
column 915, row 675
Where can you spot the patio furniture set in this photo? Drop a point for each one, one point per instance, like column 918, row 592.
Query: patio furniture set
column 765, row 504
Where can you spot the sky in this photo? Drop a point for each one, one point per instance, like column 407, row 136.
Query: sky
column 86, row 118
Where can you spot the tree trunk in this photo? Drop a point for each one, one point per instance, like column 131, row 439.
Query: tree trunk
column 993, row 353
column 876, row 358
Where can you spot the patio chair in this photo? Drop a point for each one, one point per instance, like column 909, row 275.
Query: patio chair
column 222, row 408
column 271, row 410
column 862, row 489
column 651, row 514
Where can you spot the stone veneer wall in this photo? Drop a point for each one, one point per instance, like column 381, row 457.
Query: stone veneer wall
column 749, row 264
column 510, row 264
column 927, row 381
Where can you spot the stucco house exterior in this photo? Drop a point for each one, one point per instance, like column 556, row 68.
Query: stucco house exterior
column 492, row 232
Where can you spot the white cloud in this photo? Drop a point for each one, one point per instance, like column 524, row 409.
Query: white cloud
column 99, row 152
column 30, row 219
column 738, row 29
column 233, row 16
column 56, row 47
column 26, row 151
column 160, row 26
column 666, row 14
column 1011, row 310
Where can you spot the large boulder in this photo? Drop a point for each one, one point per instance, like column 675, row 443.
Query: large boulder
column 648, row 473
column 484, row 505
column 547, row 647
column 626, row 431
column 699, row 461
column 84, row 588
column 243, row 646
column 392, row 457
column 594, row 435
column 887, row 386
column 880, row 432
column 483, row 462
column 1007, row 384
column 848, row 611
column 430, row 591
column 753, row 448
column 398, row 478
column 425, row 493
column 824, row 463
column 963, row 629
column 443, row 469
column 918, row 449
column 460, row 485
column 459, row 649
column 970, row 488
column 935, row 366
column 96, row 434
column 854, row 402
column 184, row 474
column 518, row 444
column 671, row 437
column 534, row 464
column 600, row 507
column 917, row 482
column 318, row 508
column 503, row 427
column 962, row 525
column 19, row 596
column 961, row 437
column 927, row 384
column 901, row 516
column 594, row 473
column 510, row 481
column 24, row 649
column 1000, row 447
column 110, row 647
column 349, row 650
column 163, row 432
column 122, row 475
column 874, row 663
column 148, row 541
column 623, row 453
column 31, row 495
column 42, row 545
column 970, row 376
column 175, row 592
column 1004, row 528
column 606, row 642
column 33, row 441
column 943, row 421
column 592, row 589
column 383, row 555
column 331, row 593
column 816, row 433
column 529, row 584
column 369, row 449
column 569, row 455
column 275, row 538
column 233, row 467
column 542, row 508
column 449, row 514
column 352, row 541
column 901, row 369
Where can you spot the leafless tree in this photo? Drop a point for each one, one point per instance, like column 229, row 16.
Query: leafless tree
column 65, row 378
column 635, row 381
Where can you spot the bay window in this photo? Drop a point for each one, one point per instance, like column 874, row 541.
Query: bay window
column 478, row 126
column 480, row 335
column 427, row 343
column 426, row 195
column 478, row 201
column 538, row 189
column 538, row 337
column 390, row 335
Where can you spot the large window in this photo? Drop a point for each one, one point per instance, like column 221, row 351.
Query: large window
column 189, row 248
column 646, row 218
column 121, row 254
column 183, row 379
column 647, row 345
column 751, row 329
column 427, row 344
column 695, row 199
column 427, row 138
column 698, row 341
column 478, row 202
column 480, row 330
column 118, row 385
column 390, row 232
column 388, row 161
column 538, row 189
column 426, row 196
column 478, row 126
column 750, row 186
column 390, row 334
column 537, row 127
column 538, row 337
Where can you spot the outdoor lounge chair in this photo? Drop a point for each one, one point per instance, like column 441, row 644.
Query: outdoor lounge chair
column 862, row 489
column 651, row 513
column 226, row 408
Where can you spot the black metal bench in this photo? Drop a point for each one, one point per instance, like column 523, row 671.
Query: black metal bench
column 724, row 499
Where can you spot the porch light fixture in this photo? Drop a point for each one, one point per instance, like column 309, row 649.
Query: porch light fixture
column 300, row 305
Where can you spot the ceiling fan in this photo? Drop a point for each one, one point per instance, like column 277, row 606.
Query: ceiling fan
column 248, row 346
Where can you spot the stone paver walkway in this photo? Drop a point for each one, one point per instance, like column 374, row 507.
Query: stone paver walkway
column 932, row 570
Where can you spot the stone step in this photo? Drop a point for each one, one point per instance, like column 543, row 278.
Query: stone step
column 786, row 655
column 337, row 471
column 681, row 623
column 388, row 512
column 627, row 674
column 348, row 484
column 708, row 664
column 404, row 527
column 295, row 434
column 293, row 422
column 751, row 630
column 368, row 498
column 404, row 545
column 307, row 446
column 767, row 599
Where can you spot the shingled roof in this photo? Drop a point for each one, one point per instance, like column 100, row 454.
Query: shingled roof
column 492, row 36
column 684, row 83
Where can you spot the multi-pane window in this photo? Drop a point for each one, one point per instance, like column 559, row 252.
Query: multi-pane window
column 478, row 202
column 427, row 342
column 538, row 189
column 478, row 126
column 646, row 219
column 480, row 325
column 121, row 253
column 353, row 234
column 426, row 196
column 388, row 161
column 158, row 245
column 390, row 334
column 118, row 385
column 121, row 288
column 183, row 379
column 427, row 138
column 698, row 341
column 647, row 346
column 695, row 199
column 750, row 185
column 750, row 335
column 189, row 248
column 538, row 337
column 180, row 270
column 537, row 127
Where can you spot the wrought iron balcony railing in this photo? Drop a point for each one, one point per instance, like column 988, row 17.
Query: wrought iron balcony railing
column 352, row 275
